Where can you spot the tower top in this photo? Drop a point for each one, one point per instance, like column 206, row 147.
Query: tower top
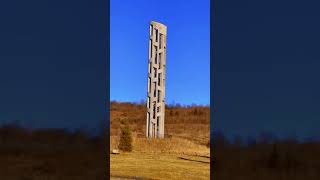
column 160, row 26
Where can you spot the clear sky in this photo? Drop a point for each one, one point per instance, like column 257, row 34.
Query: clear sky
column 188, row 49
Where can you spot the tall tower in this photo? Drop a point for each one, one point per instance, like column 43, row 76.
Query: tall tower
column 156, row 80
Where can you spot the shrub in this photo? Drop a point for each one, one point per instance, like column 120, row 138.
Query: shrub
column 125, row 139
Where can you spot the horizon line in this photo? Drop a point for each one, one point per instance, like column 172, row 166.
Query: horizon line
column 172, row 103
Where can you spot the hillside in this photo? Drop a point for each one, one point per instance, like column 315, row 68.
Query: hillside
column 183, row 153
column 191, row 123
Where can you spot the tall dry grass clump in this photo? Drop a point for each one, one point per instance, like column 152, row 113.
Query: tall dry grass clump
column 125, row 143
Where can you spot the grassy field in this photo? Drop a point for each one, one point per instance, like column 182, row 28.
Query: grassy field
column 159, row 166
column 171, row 158
column 183, row 154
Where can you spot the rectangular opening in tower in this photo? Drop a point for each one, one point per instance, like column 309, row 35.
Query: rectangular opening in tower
column 159, row 79
column 150, row 67
column 160, row 54
column 158, row 125
column 155, row 90
column 148, row 121
column 160, row 41
column 156, row 35
column 154, row 110
column 156, row 55
column 149, row 83
column 150, row 49
column 159, row 95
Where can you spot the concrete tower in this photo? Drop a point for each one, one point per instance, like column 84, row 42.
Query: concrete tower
column 156, row 80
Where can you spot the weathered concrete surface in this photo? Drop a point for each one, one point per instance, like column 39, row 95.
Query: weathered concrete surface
column 156, row 80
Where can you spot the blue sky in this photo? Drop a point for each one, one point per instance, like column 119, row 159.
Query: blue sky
column 188, row 49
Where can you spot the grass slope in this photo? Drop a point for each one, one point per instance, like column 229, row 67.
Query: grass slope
column 175, row 157
column 155, row 166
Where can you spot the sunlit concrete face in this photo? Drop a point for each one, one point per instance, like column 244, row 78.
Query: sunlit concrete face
column 156, row 80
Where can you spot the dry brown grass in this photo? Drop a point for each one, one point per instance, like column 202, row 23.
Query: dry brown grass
column 168, row 145
column 157, row 166
column 192, row 123
column 187, row 132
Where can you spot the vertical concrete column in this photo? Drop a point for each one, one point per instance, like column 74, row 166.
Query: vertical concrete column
column 156, row 80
